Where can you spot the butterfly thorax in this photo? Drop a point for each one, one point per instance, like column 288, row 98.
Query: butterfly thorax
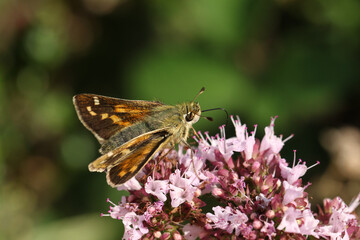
column 187, row 114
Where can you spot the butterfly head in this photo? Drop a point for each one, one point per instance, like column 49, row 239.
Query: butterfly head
column 193, row 113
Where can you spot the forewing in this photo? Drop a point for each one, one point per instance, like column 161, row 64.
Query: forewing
column 104, row 116
column 127, row 160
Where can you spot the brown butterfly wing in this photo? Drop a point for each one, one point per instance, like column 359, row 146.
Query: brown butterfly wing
column 104, row 116
column 127, row 160
column 144, row 148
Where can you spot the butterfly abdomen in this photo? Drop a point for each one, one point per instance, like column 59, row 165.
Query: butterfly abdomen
column 125, row 135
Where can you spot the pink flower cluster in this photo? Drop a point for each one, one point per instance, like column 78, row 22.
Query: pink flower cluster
column 235, row 188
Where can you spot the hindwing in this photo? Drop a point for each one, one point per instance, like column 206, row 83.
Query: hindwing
column 127, row 160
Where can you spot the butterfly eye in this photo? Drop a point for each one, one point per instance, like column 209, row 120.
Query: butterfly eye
column 189, row 117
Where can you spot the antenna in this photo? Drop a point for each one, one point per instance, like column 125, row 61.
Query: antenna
column 201, row 91
column 223, row 109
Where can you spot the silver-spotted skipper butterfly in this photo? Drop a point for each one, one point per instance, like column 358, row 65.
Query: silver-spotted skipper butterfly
column 132, row 131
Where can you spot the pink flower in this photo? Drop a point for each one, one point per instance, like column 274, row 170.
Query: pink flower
column 181, row 189
column 223, row 145
column 340, row 218
column 207, row 150
column 158, row 188
column 220, row 218
column 249, row 146
column 134, row 227
column 291, row 192
column 242, row 142
column 237, row 220
column 256, row 194
column 177, row 180
column 310, row 223
column 191, row 161
column 119, row 211
column 228, row 219
column 269, row 229
column 289, row 220
column 132, row 234
column 240, row 130
column 180, row 195
column 294, row 173
column 270, row 141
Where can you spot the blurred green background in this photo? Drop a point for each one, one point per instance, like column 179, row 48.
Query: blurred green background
column 298, row 59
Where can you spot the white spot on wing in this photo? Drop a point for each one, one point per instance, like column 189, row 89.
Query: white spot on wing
column 96, row 101
column 92, row 113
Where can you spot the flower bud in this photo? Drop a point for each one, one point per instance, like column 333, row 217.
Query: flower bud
column 257, row 224
column 270, row 214
column 157, row 234
column 217, row 192
column 177, row 236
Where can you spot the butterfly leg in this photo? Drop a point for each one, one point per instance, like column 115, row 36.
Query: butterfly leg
column 192, row 157
column 172, row 147
column 162, row 156
column 195, row 132
column 154, row 169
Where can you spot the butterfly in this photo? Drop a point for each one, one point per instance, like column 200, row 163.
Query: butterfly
column 132, row 131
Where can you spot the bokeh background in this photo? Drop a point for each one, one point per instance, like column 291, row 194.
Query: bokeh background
column 298, row 59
